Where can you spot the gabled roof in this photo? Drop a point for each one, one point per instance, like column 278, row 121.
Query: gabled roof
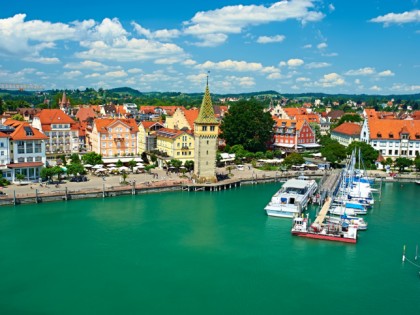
column 416, row 115
column 171, row 133
column 308, row 117
column 149, row 124
column 336, row 114
column 103, row 123
column 54, row 116
column 392, row 129
column 191, row 115
column 288, row 123
column 349, row 129
column 3, row 135
column 85, row 112
column 24, row 131
column 293, row 111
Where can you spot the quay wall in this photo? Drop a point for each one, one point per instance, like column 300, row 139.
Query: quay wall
column 157, row 187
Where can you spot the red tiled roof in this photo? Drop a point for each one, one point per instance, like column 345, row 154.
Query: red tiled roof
column 289, row 122
column 170, row 133
column 20, row 132
column 3, row 135
column 293, row 111
column 191, row 115
column 103, row 123
column 349, row 129
column 86, row 112
column 391, row 129
column 54, row 116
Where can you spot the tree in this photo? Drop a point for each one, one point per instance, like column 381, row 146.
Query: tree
column 57, row 170
column 176, row 163
column 402, row 163
column 333, row 152
column 20, row 177
column 368, row 154
column 18, row 117
column 417, row 163
column 317, row 130
column 119, row 163
column 124, row 176
column 92, row 158
column 294, row 159
column 75, row 159
column 75, row 168
column 46, row 173
column 189, row 165
column 247, row 124
column 131, row 164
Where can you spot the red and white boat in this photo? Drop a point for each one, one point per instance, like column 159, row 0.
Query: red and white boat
column 330, row 232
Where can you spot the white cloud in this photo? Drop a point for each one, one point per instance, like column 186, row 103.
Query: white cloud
column 270, row 39
column 87, row 64
column 295, row 62
column 274, row 76
column 92, row 75
column 307, row 46
column 331, row 7
column 197, row 79
column 357, row 81
column 163, row 34
column 116, row 74
column 130, row 50
column 398, row 18
column 317, row 65
column 375, row 88
column 167, row 61
column 233, row 19
column 331, row 80
column 401, row 87
column 322, row 46
column 134, row 70
column 361, row 71
column 303, row 79
column 189, row 62
column 231, row 65
column 386, row 73
column 72, row 74
column 44, row 60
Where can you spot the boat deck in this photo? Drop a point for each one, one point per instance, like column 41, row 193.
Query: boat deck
column 323, row 212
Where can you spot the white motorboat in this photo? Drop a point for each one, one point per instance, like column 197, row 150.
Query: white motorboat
column 292, row 198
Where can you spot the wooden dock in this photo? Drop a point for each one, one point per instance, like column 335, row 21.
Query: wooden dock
column 323, row 212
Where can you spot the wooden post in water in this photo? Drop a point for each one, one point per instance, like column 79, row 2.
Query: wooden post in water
column 65, row 193
column 133, row 190
column 36, row 195
column 103, row 190
column 14, row 197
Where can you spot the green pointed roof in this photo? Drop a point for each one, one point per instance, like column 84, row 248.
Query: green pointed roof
column 206, row 114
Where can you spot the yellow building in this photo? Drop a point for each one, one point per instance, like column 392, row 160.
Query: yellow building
column 174, row 144
column 147, row 136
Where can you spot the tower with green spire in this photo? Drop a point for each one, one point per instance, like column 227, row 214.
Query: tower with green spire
column 206, row 131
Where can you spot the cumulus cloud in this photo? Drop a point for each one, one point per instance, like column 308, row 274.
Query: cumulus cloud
column 398, row 18
column 303, row 79
column 270, row 39
column 87, row 64
column 375, row 88
column 116, row 74
column 189, row 62
column 274, row 76
column 317, row 65
column 231, row 65
column 44, row 60
column 331, row 7
column 386, row 73
column 163, row 34
column 295, row 62
column 92, row 75
column 72, row 74
column 361, row 71
column 331, row 80
column 233, row 19
column 401, row 87
column 322, row 46
column 307, row 46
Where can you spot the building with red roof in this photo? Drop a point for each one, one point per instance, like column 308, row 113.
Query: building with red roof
column 26, row 148
column 62, row 132
column 346, row 133
column 112, row 137
column 292, row 136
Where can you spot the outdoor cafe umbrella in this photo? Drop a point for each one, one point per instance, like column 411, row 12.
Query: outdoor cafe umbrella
column 98, row 166
column 87, row 165
column 124, row 169
column 111, row 165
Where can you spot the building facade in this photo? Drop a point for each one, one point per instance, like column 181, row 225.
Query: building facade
column 346, row 133
column 292, row 135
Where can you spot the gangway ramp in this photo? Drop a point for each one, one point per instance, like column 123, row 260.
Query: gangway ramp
column 323, row 212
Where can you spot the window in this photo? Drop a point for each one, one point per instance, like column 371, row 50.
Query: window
column 109, row 129
column 396, row 152
column 29, row 159
column 38, row 159
column 29, row 147
column 390, row 152
column 103, row 136
column 204, row 128
column 177, row 153
column 38, row 147
column 21, row 160
column 21, row 147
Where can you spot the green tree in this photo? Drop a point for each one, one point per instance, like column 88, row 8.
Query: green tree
column 46, row 173
column 189, row 165
column 176, row 163
column 317, row 130
column 402, row 163
column 18, row 117
column 334, row 152
column 368, row 154
column 247, row 124
column 57, row 170
column 20, row 177
column 92, row 158
column 294, row 159
column 75, row 168
column 417, row 163
column 124, row 176
column 131, row 164
column 119, row 163
column 75, row 159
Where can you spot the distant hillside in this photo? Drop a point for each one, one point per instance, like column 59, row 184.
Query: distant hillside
column 125, row 91
column 355, row 97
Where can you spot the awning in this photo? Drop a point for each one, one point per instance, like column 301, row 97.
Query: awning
column 122, row 159
column 284, row 145
column 309, row 145
column 25, row 165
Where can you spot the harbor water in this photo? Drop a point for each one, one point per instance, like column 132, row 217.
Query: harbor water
column 204, row 253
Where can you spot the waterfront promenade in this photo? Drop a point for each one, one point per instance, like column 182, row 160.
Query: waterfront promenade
column 157, row 180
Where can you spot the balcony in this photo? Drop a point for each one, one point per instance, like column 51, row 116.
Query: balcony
column 119, row 139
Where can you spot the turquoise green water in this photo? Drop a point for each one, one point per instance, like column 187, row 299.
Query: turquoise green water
column 203, row 253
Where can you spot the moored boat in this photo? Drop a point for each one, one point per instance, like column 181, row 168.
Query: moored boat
column 292, row 198
column 330, row 232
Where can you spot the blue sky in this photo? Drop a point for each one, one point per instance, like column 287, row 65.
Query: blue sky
column 290, row 46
